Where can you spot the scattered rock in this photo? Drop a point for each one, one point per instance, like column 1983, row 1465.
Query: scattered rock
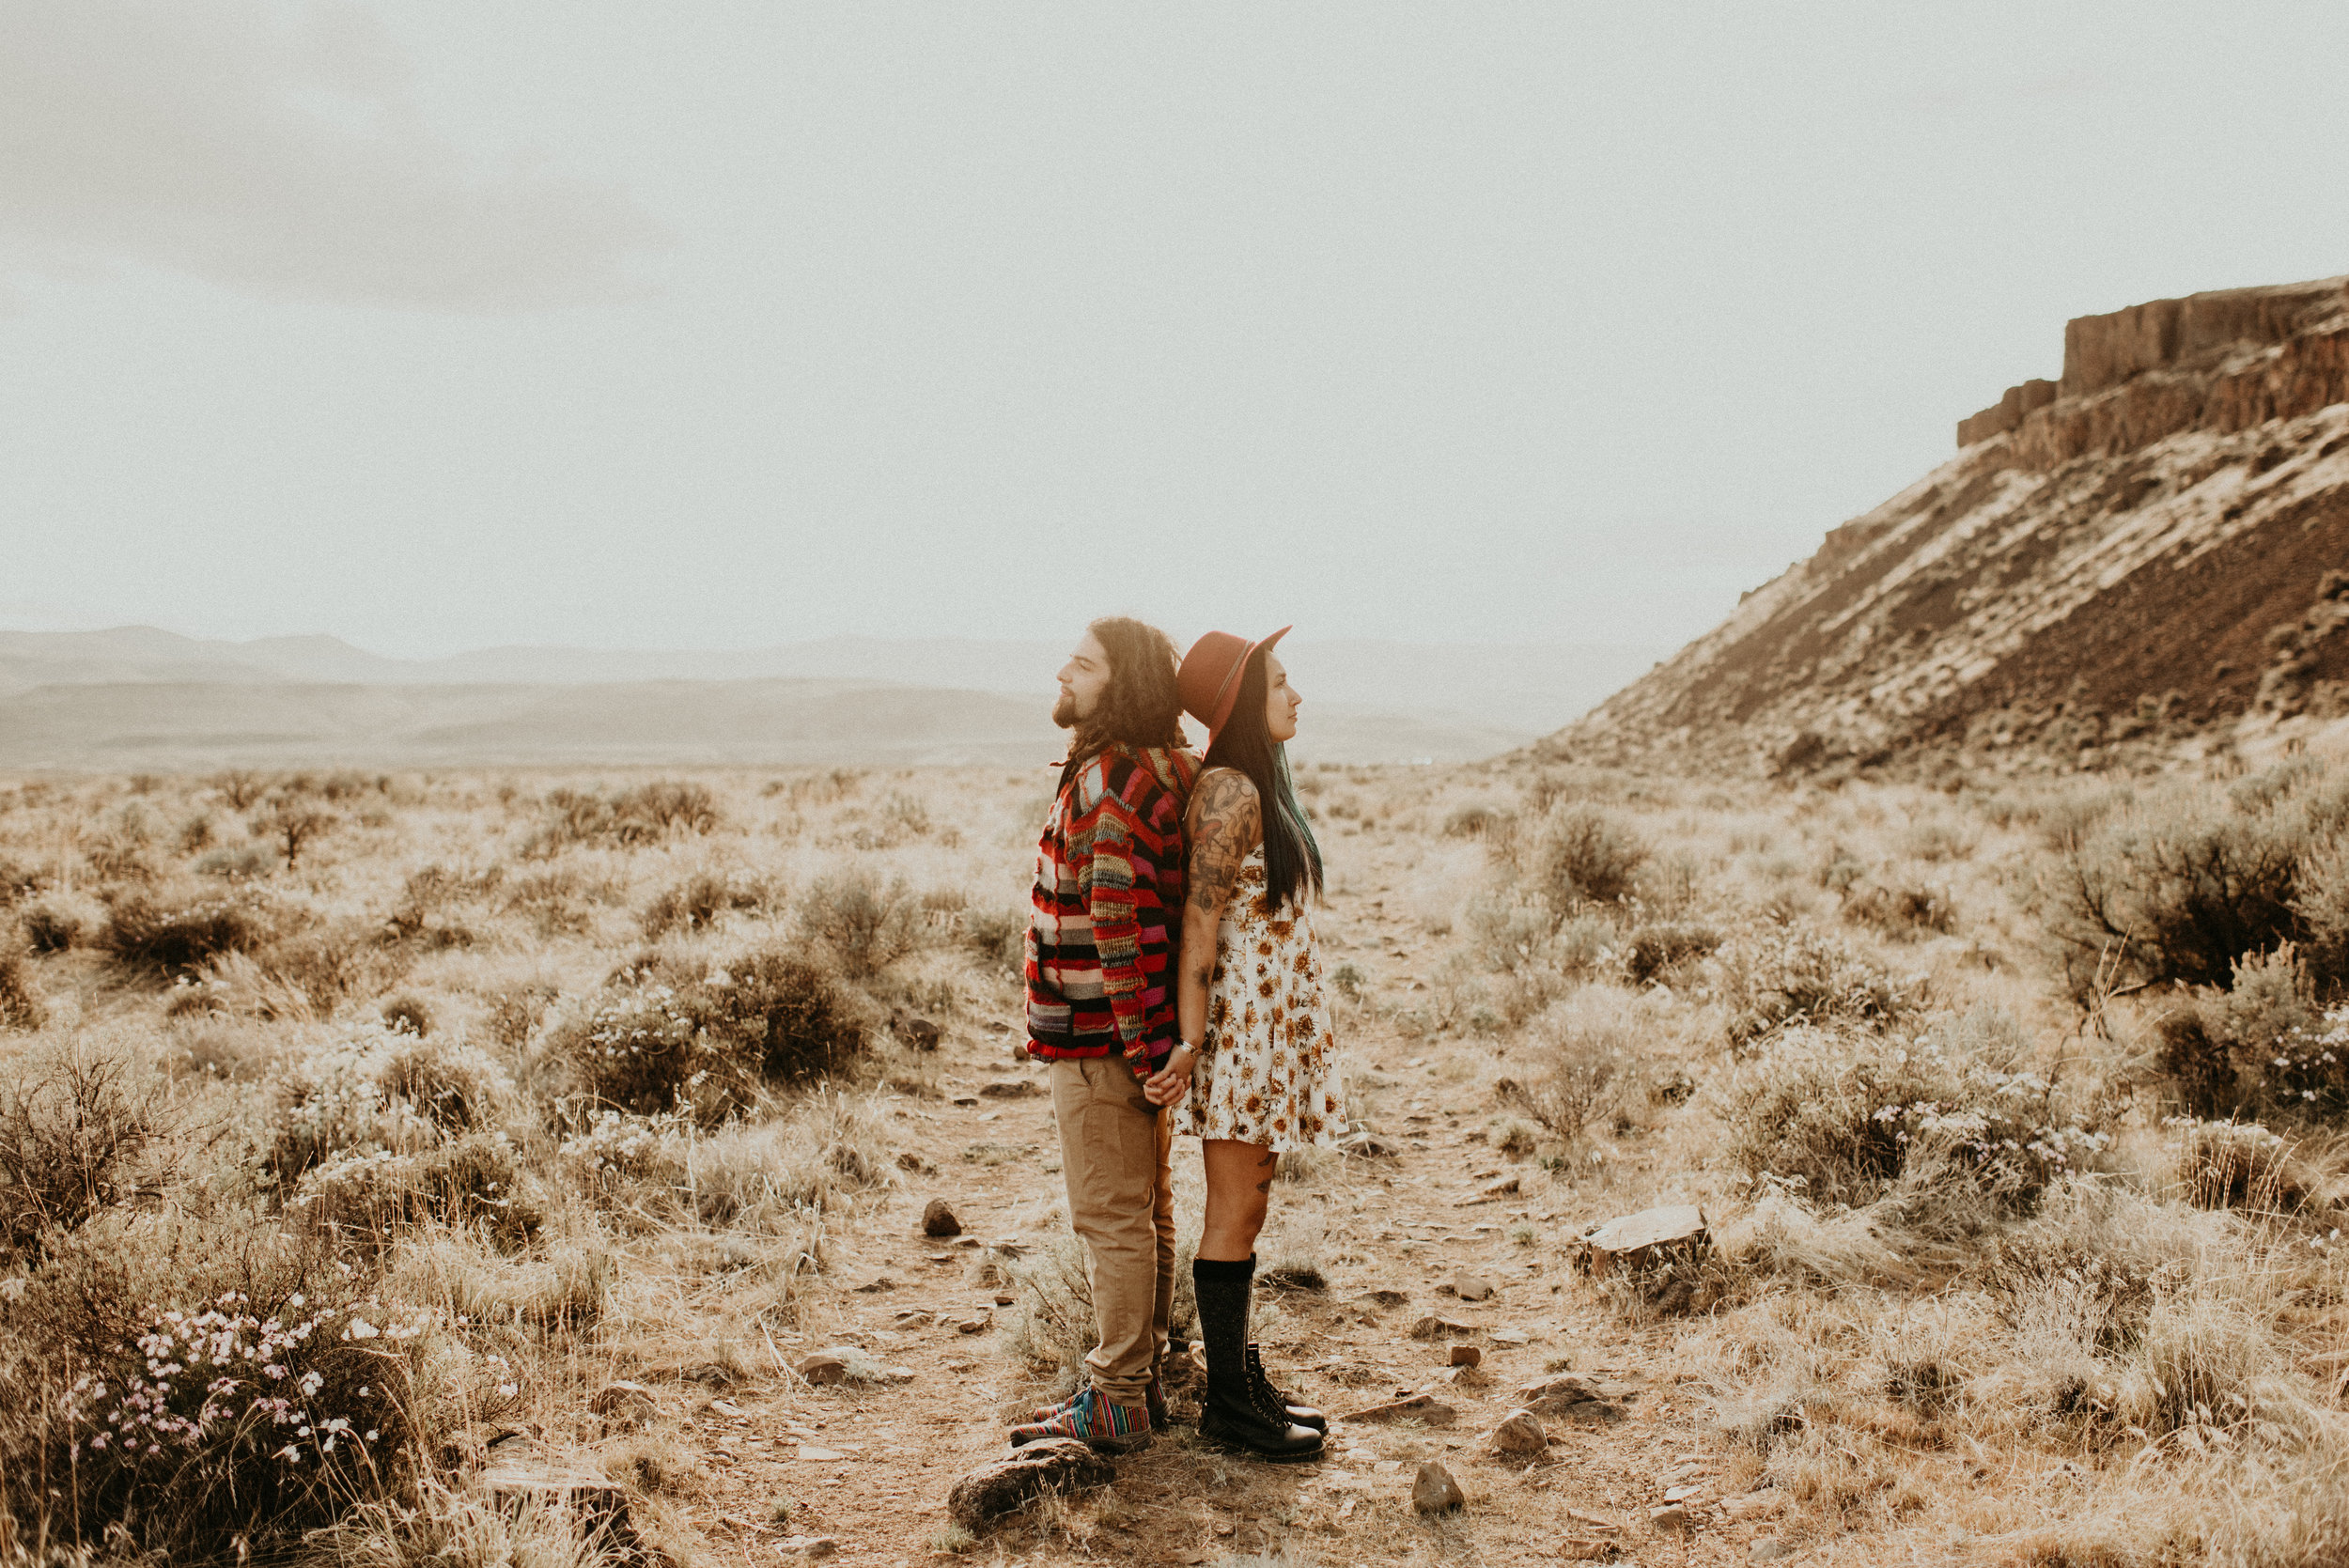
column 1596, row 1521
column 921, row 1034
column 993, row 1490
column 1005, row 1300
column 807, row 1545
column 1426, row 1409
column 1384, row 1298
column 726, row 1408
column 1467, row 1378
column 1472, row 1287
column 518, row 1475
column 877, row 1283
column 1367, row 1145
column 968, row 1241
column 1681, row 1493
column 1010, row 1088
column 818, row 1453
column 625, row 1406
column 1589, row 1549
column 1434, row 1491
column 913, row 1317
column 1465, row 1356
column 1672, row 1519
column 1635, row 1240
column 1437, row 1328
column 939, row 1219
column 1502, row 1188
column 975, row 1324
column 1510, row 1338
column 963, row 1099
column 1766, row 1504
column 1578, row 1398
column 1020, row 1048
column 711, row 1374
column 837, row 1363
column 1521, row 1434
column 1769, row 1549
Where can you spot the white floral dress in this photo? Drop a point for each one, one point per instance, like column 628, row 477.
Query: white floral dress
column 1268, row 1071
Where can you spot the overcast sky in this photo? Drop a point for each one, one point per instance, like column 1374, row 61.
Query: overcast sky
column 700, row 325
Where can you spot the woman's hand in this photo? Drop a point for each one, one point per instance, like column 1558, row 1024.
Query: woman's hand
column 1170, row 1083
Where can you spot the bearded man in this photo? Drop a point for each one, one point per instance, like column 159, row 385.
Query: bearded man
column 1100, row 967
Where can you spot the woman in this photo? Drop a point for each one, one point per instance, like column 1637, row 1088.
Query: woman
column 1255, row 1072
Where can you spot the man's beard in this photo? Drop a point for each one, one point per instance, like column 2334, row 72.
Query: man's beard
column 1064, row 711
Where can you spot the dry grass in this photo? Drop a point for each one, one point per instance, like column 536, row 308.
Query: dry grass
column 595, row 1077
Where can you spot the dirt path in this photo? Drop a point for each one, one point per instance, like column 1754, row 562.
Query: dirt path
column 870, row 1467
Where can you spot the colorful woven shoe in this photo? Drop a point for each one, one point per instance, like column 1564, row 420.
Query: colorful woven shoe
column 1092, row 1420
column 1153, row 1400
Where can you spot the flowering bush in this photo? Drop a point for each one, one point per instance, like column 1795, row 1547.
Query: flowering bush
column 476, row 1179
column 244, row 1414
column 2309, row 1067
column 1849, row 1118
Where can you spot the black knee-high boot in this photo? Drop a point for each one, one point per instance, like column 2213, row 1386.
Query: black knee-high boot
column 1236, row 1414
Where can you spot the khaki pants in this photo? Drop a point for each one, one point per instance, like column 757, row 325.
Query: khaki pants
column 1114, row 1154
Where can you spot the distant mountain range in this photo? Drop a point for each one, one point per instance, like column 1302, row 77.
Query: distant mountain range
column 140, row 697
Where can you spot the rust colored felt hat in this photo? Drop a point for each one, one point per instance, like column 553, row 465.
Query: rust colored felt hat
column 1210, row 678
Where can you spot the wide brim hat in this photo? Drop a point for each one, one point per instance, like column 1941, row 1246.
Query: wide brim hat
column 1208, row 681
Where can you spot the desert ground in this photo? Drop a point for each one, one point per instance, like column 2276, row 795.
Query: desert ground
column 424, row 1166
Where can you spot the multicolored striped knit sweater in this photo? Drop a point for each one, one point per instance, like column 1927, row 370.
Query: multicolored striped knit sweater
column 1108, row 909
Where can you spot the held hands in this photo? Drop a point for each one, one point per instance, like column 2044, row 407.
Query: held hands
column 1170, row 1083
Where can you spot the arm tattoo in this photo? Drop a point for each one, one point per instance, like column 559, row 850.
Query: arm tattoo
column 1225, row 823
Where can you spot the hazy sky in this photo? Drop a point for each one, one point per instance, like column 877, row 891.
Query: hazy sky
column 703, row 324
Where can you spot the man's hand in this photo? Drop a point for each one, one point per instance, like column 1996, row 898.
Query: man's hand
column 1170, row 1083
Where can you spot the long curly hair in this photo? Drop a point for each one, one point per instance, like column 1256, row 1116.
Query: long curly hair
column 1142, row 705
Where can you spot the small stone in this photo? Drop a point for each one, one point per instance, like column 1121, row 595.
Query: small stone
column 965, row 1243
column 975, row 1324
column 1769, row 1549
column 807, row 1545
column 1010, row 1089
column 1521, row 1434
column 1060, row 1465
column 1465, row 1356
column 1671, row 1518
column 1434, row 1491
column 1681, row 1493
column 877, row 1283
column 938, row 1219
column 963, row 1099
column 1472, row 1287
column 1020, row 1048
column 1384, row 1298
column 1437, row 1328
column 837, row 1363
column 921, row 1034
column 1510, row 1338
column 818, row 1453
column 726, row 1408
column 1766, row 1504
column 623, row 1404
column 913, row 1317
column 1502, row 1188
column 1005, row 1300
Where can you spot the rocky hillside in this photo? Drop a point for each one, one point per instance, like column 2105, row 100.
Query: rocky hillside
column 2145, row 558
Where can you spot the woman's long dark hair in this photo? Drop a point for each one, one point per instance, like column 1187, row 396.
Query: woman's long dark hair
column 1292, row 861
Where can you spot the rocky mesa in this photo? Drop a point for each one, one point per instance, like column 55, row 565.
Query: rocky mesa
column 2145, row 559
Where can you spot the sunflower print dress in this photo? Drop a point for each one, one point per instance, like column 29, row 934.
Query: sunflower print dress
column 1267, row 1070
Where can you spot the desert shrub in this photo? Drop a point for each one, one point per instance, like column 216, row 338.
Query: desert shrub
column 555, row 902
column 1657, row 947
column 233, row 1387
column 1577, row 1075
column 515, row 1011
column 21, row 1005
column 2262, row 1047
column 697, row 901
column 422, row 914
column 17, row 881
column 292, row 823
column 239, row 787
column 377, row 1091
column 474, row 1180
column 1950, row 1118
column 455, row 1087
column 236, row 985
column 2241, row 1165
column 327, row 960
column 643, row 815
column 1509, row 928
column 1579, row 854
column 49, row 927
column 2184, row 884
column 1796, row 976
column 865, row 923
column 73, row 1129
column 1475, row 819
column 998, row 936
column 2320, row 902
column 1053, row 1329
column 1905, row 910
column 236, row 862
column 179, row 934
column 407, row 1014
column 661, row 1037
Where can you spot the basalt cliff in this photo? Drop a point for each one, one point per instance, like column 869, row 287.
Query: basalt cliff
column 2144, row 560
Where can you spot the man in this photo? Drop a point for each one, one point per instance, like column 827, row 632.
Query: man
column 1100, row 971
